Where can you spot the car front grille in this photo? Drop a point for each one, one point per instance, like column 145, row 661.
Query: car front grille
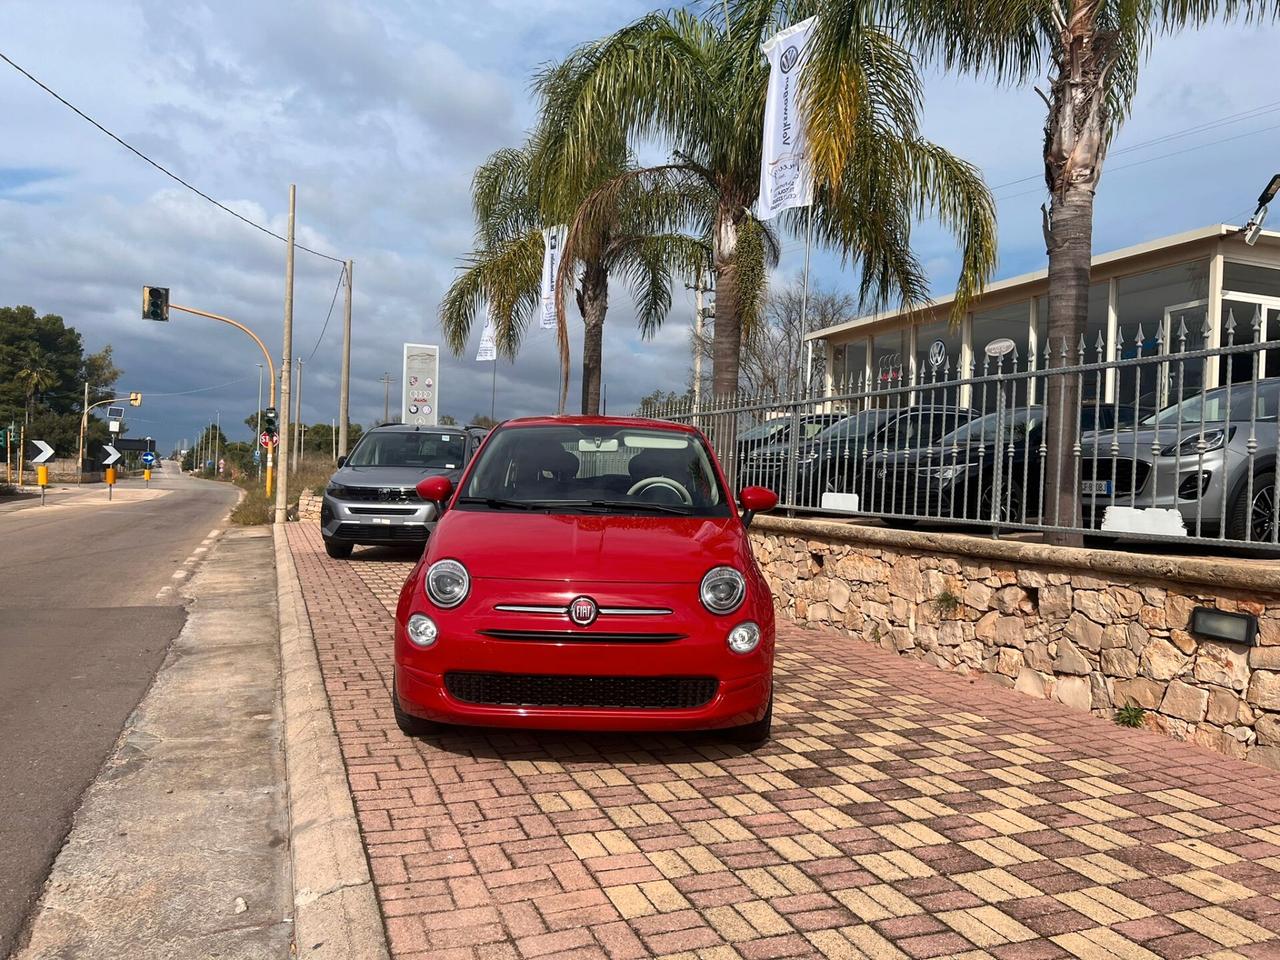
column 542, row 690
column 363, row 532
column 582, row 636
column 381, row 494
column 1129, row 475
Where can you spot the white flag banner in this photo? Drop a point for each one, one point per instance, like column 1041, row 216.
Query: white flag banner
column 552, row 241
column 785, row 179
column 488, row 342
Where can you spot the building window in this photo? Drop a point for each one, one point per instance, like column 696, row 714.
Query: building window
column 1161, row 311
column 1250, row 278
column 1012, row 322
column 850, row 368
column 889, row 360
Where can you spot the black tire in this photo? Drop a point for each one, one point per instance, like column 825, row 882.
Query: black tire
column 410, row 725
column 339, row 551
column 753, row 734
column 1253, row 517
column 1011, row 504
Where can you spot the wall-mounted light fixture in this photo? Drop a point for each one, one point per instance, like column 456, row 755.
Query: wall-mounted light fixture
column 1213, row 624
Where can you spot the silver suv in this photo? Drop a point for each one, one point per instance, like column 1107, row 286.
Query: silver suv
column 372, row 499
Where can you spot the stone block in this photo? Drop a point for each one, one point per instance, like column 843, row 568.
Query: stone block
column 1183, row 641
column 1055, row 602
column 1268, row 756
column 1139, row 692
column 985, row 629
column 1264, row 690
column 1153, row 618
column 1120, row 663
column 904, row 580
column 1030, row 577
column 1084, row 633
column 1100, row 689
column 838, row 595
column 1268, row 729
column 1009, row 662
column 1073, row 692
column 1224, row 664
column 1185, row 702
column 1009, row 600
column 1178, row 610
column 978, row 596
column 1098, row 606
column 1161, row 660
column 1011, row 632
column 950, row 633
column 1224, row 706
column 1037, row 656
column 1070, row 660
column 1264, row 658
column 1031, row 682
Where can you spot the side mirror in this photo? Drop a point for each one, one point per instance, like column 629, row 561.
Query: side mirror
column 435, row 490
column 342, row 461
column 756, row 500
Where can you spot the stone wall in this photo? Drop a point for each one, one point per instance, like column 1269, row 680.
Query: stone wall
column 309, row 506
column 1096, row 630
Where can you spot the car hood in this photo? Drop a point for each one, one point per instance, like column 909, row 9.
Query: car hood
column 390, row 476
column 510, row 545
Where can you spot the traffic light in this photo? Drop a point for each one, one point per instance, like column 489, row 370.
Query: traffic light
column 155, row 303
column 135, row 399
column 269, row 420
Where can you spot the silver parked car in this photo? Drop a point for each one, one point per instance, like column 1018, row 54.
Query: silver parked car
column 1212, row 457
column 372, row 499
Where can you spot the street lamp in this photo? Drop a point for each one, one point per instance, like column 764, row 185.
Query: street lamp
column 1253, row 229
column 147, row 314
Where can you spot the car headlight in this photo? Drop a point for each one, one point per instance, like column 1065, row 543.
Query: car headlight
column 447, row 583
column 807, row 456
column 744, row 638
column 1190, row 446
column 723, row 589
column 336, row 490
column 421, row 630
column 945, row 474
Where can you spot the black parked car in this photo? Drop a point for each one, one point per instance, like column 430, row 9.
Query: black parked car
column 955, row 478
column 778, row 431
column 819, row 459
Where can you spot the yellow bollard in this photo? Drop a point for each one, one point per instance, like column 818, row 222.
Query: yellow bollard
column 42, row 478
column 146, row 476
column 111, row 480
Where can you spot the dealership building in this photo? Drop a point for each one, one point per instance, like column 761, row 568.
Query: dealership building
column 1141, row 300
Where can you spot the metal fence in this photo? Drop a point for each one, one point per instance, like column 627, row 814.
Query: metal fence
column 1170, row 441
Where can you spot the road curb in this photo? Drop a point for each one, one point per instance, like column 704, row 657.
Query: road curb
column 336, row 912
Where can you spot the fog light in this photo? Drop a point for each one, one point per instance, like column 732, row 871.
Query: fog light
column 744, row 638
column 422, row 630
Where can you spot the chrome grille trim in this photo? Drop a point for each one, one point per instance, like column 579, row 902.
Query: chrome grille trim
column 634, row 612
column 564, row 611
column 530, row 608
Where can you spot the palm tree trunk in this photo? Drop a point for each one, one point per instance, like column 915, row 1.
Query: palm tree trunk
column 1075, row 146
column 726, row 342
column 593, row 302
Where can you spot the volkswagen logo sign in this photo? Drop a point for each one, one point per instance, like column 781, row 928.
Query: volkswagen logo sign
column 789, row 58
column 582, row 611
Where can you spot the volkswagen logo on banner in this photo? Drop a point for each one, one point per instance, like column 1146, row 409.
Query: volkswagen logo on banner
column 582, row 611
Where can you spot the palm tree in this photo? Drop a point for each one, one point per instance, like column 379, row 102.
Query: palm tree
column 1093, row 50
column 515, row 194
column 34, row 376
column 699, row 88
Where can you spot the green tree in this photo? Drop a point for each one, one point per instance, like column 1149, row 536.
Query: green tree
column 518, row 192
column 700, row 90
column 1093, row 50
column 482, row 420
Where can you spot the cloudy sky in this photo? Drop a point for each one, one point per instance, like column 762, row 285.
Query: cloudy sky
column 379, row 110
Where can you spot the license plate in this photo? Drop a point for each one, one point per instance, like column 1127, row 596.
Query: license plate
column 1100, row 487
column 382, row 520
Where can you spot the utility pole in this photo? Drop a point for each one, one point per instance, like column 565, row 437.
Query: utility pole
column 344, row 387
column 333, row 439
column 282, row 495
column 257, row 449
column 297, row 419
column 84, row 423
column 217, row 443
column 698, row 288
column 386, row 396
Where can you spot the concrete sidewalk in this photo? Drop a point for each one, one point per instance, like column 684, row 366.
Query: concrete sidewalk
column 180, row 847
column 899, row 813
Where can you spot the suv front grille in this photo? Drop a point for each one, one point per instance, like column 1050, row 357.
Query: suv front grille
column 382, row 494
column 541, row 690
column 368, row 532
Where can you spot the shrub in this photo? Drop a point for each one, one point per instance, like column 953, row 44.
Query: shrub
column 1130, row 716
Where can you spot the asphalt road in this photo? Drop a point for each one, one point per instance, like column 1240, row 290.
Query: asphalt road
column 81, row 636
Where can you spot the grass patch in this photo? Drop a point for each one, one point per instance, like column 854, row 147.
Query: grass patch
column 256, row 508
column 946, row 602
column 1130, row 716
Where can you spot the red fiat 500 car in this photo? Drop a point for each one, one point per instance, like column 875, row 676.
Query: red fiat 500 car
column 588, row 573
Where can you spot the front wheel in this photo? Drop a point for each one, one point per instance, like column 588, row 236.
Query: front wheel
column 753, row 734
column 339, row 551
column 1254, row 519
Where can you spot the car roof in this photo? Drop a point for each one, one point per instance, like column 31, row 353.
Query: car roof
column 580, row 421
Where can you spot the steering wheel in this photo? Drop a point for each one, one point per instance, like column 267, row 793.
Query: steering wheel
column 666, row 482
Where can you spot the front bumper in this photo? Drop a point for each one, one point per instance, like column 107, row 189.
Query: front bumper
column 1186, row 484
column 370, row 522
column 540, row 650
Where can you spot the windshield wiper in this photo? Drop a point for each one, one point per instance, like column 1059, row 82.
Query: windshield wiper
column 498, row 503
column 640, row 505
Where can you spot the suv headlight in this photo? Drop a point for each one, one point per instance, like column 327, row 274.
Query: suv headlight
column 447, row 583
column 1190, row 446
column 723, row 590
column 336, row 490
column 945, row 474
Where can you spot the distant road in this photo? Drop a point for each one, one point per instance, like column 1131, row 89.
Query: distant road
column 81, row 636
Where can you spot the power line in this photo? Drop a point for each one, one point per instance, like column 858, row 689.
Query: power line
column 168, row 173
column 342, row 275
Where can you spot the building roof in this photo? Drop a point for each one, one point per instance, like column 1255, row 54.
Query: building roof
column 1212, row 232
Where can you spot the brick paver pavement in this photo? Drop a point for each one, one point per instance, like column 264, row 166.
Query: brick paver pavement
column 899, row 812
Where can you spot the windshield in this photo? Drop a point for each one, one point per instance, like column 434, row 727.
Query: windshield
column 920, row 427
column 410, row 448
column 854, row 426
column 1246, row 398
column 983, row 430
column 607, row 469
column 764, row 431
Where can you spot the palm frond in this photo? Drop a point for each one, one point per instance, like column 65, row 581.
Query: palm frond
column 505, row 278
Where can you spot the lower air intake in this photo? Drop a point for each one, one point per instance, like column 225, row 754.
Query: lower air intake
column 538, row 690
